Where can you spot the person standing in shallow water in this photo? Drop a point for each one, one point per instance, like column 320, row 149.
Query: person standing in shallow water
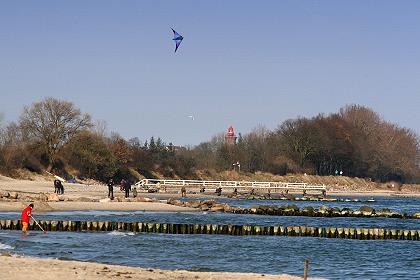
column 26, row 216
column 111, row 188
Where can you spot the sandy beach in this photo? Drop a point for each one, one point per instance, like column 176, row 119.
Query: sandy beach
column 23, row 268
column 76, row 192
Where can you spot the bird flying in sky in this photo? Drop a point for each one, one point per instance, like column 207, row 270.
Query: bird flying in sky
column 192, row 117
column 177, row 38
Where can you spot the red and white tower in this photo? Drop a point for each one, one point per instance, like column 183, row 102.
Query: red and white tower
column 230, row 138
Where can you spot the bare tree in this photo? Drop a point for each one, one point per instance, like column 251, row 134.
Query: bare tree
column 296, row 138
column 1, row 129
column 100, row 127
column 13, row 152
column 253, row 151
column 52, row 123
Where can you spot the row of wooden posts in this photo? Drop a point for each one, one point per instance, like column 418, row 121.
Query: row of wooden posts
column 326, row 232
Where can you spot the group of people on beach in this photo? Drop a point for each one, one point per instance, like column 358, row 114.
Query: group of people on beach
column 59, row 189
column 125, row 186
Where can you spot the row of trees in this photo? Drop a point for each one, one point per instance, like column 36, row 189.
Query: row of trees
column 355, row 141
column 55, row 135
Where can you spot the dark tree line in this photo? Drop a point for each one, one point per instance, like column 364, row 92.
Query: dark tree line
column 54, row 135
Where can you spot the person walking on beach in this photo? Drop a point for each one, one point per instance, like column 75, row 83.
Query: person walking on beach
column 134, row 192
column 26, row 216
column 127, row 189
column 122, row 185
column 56, row 187
column 111, row 188
column 60, row 187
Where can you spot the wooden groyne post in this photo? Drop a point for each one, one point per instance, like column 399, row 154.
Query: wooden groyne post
column 297, row 231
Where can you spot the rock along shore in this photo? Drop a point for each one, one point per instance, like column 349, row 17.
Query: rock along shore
column 293, row 210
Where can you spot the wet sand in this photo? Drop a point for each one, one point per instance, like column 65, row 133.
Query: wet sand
column 23, row 268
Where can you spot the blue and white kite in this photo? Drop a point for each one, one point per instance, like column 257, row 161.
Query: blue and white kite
column 177, row 38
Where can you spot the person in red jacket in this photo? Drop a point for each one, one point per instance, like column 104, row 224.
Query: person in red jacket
column 26, row 216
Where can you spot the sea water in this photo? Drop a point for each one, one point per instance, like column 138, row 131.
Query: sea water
column 329, row 258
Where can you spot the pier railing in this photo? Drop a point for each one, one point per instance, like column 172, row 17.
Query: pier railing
column 239, row 185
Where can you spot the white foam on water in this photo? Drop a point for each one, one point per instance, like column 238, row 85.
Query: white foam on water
column 6, row 247
column 120, row 233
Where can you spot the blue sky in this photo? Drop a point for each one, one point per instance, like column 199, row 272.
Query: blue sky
column 242, row 63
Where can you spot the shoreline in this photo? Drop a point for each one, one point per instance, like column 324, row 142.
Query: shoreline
column 20, row 267
column 378, row 193
column 159, row 205
column 42, row 207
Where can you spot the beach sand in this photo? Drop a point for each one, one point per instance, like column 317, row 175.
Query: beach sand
column 24, row 268
column 74, row 192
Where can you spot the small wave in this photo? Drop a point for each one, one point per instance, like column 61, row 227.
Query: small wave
column 6, row 247
column 120, row 233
